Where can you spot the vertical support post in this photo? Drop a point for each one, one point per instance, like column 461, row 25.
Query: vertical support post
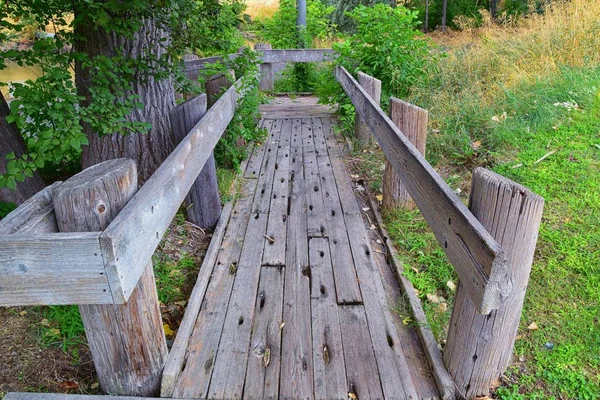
column 267, row 80
column 127, row 341
column 412, row 121
column 203, row 202
column 216, row 85
column 479, row 347
column 373, row 88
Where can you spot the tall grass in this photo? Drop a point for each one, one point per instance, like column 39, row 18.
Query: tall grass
column 484, row 67
column 261, row 9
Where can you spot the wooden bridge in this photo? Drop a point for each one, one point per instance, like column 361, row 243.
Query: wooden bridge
column 295, row 297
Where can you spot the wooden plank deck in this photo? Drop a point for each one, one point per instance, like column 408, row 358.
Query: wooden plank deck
column 299, row 305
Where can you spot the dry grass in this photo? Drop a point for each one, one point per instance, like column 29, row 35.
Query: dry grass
column 261, row 9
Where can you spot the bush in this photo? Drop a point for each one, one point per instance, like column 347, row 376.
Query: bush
column 388, row 46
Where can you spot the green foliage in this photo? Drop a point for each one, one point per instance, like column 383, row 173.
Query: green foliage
column 387, row 45
column 6, row 208
column 49, row 111
column 341, row 17
column 61, row 326
column 231, row 148
column 281, row 32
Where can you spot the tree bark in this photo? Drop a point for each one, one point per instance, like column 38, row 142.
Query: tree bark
column 444, row 15
column 493, row 8
column 426, row 28
column 12, row 142
column 150, row 149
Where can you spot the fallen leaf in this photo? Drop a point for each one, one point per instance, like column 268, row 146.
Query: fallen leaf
column 476, row 145
column 443, row 307
column 352, row 396
column 533, row 327
column 55, row 331
column 23, row 313
column 379, row 198
column 435, row 299
column 354, row 176
column 267, row 357
column 95, row 385
column 168, row 331
column 372, row 227
column 451, row 285
column 69, row 385
column 326, row 354
column 45, row 322
column 406, row 320
column 181, row 303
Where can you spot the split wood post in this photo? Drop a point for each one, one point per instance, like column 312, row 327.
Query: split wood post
column 267, row 80
column 127, row 341
column 217, row 84
column 412, row 121
column 203, row 202
column 479, row 347
column 372, row 86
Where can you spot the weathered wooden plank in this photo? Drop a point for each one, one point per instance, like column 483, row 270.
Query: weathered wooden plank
column 296, row 347
column 393, row 368
column 443, row 380
column 478, row 259
column 361, row 366
column 328, row 355
column 262, row 374
column 126, row 252
column 480, row 347
column 203, row 202
column 372, row 86
column 63, row 396
column 297, row 55
column 267, row 78
column 227, row 381
column 274, row 251
column 346, row 281
column 176, row 357
column 35, row 215
column 344, row 187
column 262, row 199
column 256, row 159
column 203, row 344
column 53, row 268
column 314, row 200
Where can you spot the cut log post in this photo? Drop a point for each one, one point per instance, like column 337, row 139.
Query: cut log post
column 267, row 81
column 479, row 347
column 373, row 88
column 203, row 202
column 412, row 121
column 127, row 341
column 216, row 85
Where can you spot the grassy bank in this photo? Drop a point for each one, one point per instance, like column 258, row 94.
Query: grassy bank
column 524, row 100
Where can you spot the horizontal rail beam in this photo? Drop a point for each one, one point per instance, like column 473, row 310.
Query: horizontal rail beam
column 269, row 56
column 478, row 259
column 132, row 237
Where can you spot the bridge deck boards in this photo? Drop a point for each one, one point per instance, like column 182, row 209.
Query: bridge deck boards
column 300, row 302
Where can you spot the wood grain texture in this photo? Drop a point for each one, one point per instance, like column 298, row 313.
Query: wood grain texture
column 35, row 215
column 412, row 121
column 52, row 269
column 479, row 348
column 176, row 358
column 297, row 55
column 256, row 159
column 361, row 366
column 204, row 341
column 202, row 203
column 328, row 354
column 156, row 203
column 477, row 258
column 262, row 374
column 443, row 380
column 372, row 87
column 62, row 396
column 127, row 341
column 267, row 78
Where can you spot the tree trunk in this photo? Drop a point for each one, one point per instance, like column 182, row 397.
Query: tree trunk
column 150, row 149
column 493, row 8
column 426, row 28
column 12, row 142
column 444, row 15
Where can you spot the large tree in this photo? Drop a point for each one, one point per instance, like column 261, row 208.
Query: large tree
column 12, row 149
column 126, row 58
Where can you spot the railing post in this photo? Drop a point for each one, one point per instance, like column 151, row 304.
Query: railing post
column 412, row 121
column 203, row 202
column 479, row 347
column 267, row 79
column 127, row 341
column 373, row 88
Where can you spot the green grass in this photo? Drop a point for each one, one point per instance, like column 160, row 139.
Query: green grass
column 563, row 296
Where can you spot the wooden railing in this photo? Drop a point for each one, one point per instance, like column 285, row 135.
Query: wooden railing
column 490, row 245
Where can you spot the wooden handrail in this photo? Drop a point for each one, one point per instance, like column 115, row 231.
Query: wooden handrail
column 478, row 259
